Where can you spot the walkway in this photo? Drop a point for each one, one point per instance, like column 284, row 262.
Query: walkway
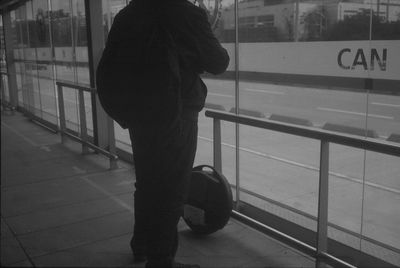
column 62, row 208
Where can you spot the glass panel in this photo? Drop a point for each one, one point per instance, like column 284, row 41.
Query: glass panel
column 89, row 113
column 345, row 194
column 381, row 214
column 45, row 64
column 66, row 16
column 62, row 39
column 220, row 96
column 80, row 42
column 28, row 56
column 36, row 91
column 71, row 108
column 48, row 99
column 5, row 93
column 3, row 65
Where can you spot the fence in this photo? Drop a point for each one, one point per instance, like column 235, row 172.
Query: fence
column 83, row 138
column 325, row 137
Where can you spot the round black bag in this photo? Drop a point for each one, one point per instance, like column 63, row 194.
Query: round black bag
column 209, row 203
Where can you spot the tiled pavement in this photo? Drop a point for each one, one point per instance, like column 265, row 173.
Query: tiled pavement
column 62, row 208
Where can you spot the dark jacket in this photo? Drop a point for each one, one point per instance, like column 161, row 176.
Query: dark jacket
column 199, row 51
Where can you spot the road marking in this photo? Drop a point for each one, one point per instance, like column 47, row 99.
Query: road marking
column 45, row 148
column 355, row 113
column 109, row 195
column 28, row 140
column 221, row 95
column 386, row 104
column 78, row 170
column 294, row 163
column 265, row 91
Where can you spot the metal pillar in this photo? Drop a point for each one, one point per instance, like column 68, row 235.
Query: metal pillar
column 12, row 78
column 94, row 22
column 322, row 230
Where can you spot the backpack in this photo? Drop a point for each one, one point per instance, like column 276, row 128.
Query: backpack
column 138, row 82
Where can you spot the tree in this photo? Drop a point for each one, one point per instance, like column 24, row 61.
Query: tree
column 357, row 27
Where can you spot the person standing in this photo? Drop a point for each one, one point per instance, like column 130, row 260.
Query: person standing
column 164, row 149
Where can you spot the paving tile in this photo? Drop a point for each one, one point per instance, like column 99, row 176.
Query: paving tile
column 23, row 126
column 48, row 169
column 73, row 235
column 83, row 258
column 5, row 230
column 287, row 259
column 257, row 244
column 58, row 192
column 114, row 252
column 219, row 244
column 11, row 251
column 64, row 215
column 25, row 263
column 215, row 261
column 122, row 180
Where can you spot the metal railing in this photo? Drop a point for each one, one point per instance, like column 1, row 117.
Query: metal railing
column 83, row 137
column 325, row 137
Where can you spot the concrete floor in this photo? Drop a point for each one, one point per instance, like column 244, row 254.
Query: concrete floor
column 62, row 208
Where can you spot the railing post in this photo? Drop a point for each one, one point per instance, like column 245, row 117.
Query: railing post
column 217, row 145
column 322, row 229
column 61, row 111
column 82, row 119
column 111, row 143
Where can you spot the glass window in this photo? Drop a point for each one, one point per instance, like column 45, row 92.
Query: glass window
column 44, row 63
column 221, row 94
column 3, row 65
column 62, row 39
column 313, row 69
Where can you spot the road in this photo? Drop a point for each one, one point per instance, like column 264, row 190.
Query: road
column 317, row 105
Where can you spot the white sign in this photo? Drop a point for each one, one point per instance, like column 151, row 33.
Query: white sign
column 361, row 59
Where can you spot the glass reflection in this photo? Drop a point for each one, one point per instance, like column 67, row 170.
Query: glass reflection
column 62, row 39
column 311, row 20
column 44, row 62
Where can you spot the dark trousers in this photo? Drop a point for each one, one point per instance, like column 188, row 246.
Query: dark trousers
column 163, row 159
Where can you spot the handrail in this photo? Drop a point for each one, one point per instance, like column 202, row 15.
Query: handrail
column 310, row 132
column 325, row 137
column 83, row 138
column 76, row 86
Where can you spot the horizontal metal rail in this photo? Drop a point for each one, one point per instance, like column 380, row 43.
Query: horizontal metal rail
column 310, row 132
column 314, row 218
column 92, row 146
column 325, row 137
column 76, row 86
column 83, row 139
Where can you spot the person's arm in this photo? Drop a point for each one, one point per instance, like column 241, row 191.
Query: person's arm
column 213, row 57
